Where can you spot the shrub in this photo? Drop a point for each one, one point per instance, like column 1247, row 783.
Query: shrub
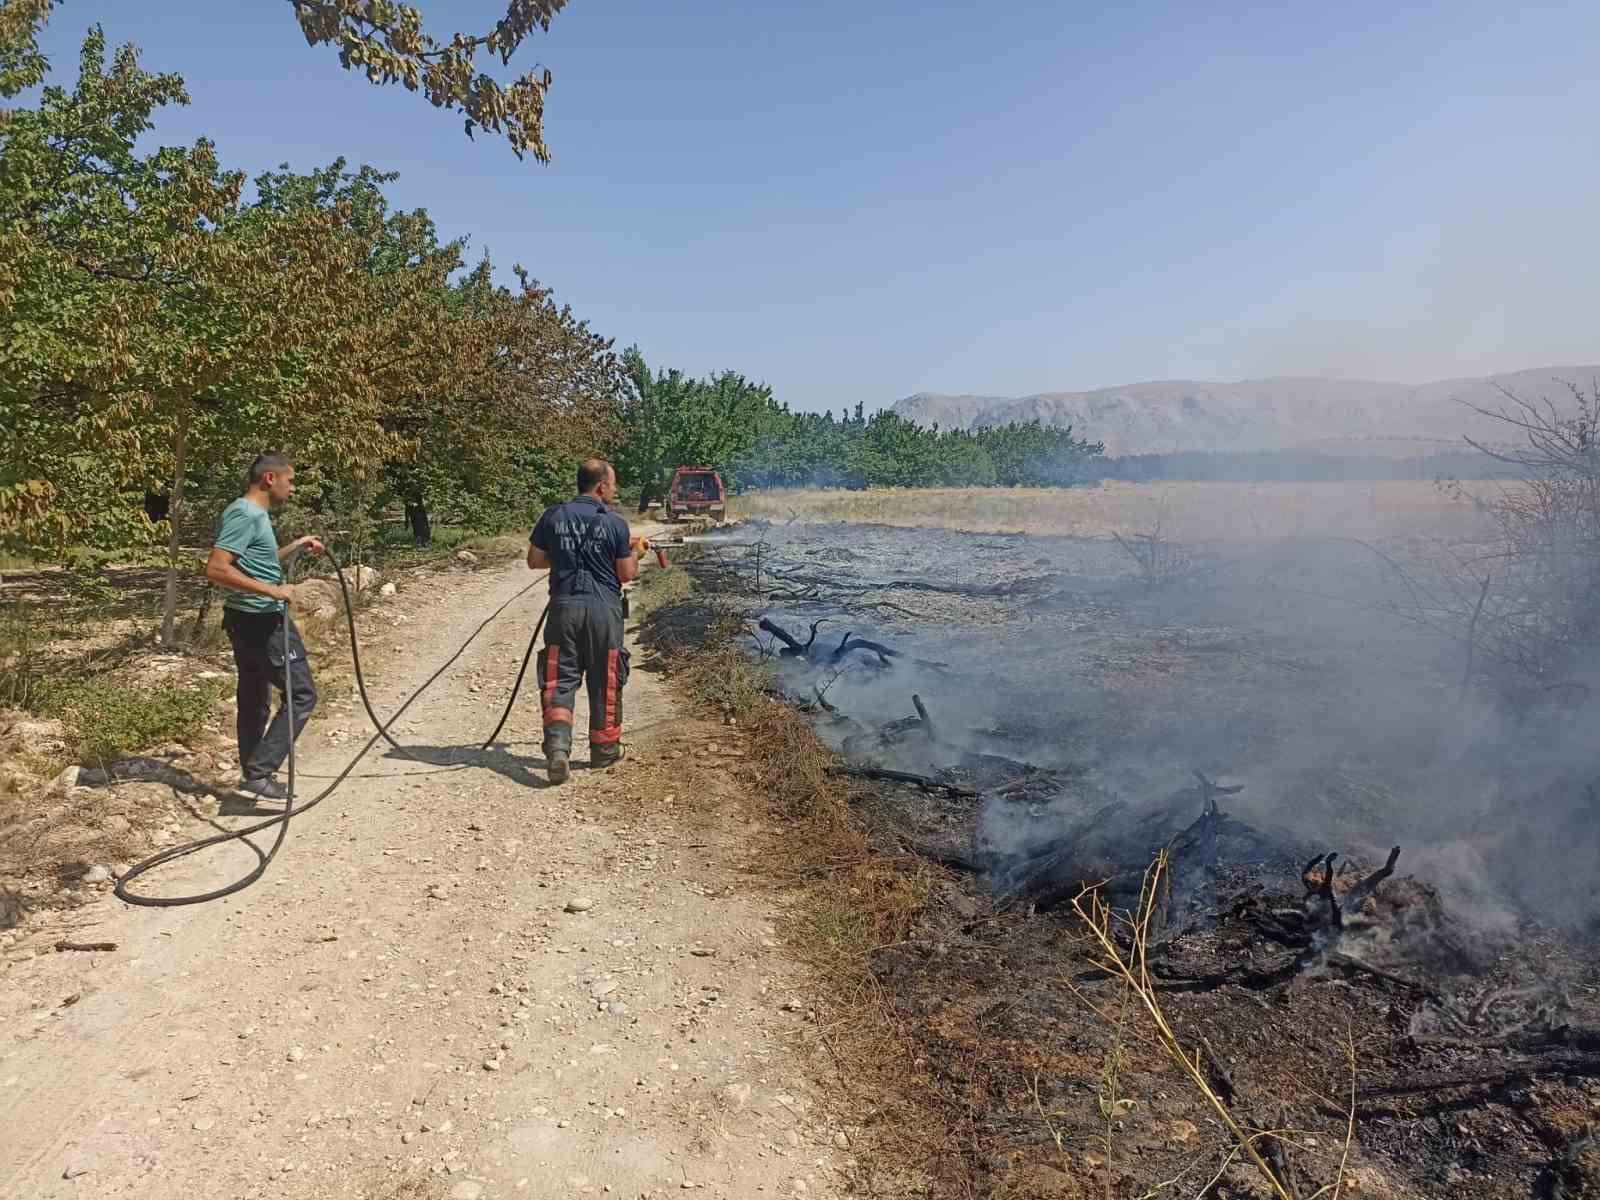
column 108, row 718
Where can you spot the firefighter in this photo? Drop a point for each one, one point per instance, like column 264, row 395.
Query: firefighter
column 588, row 550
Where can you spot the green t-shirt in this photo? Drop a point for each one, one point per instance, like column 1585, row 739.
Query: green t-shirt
column 245, row 532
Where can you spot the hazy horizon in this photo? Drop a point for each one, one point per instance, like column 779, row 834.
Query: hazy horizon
column 1554, row 369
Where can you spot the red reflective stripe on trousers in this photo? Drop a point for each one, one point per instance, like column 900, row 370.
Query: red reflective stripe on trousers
column 552, row 674
column 613, row 729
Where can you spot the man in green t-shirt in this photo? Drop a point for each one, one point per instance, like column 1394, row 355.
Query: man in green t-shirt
column 245, row 559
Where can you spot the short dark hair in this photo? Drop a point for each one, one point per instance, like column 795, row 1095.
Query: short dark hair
column 591, row 473
column 267, row 462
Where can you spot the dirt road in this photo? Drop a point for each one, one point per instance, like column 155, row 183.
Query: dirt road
column 409, row 997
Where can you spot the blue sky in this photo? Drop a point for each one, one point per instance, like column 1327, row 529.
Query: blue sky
column 855, row 201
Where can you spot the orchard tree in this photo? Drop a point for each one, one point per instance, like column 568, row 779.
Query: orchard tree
column 1032, row 454
column 103, row 250
column 495, row 391
column 387, row 42
column 532, row 392
column 670, row 420
column 152, row 326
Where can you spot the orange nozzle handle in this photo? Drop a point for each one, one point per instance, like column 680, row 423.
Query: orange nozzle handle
column 641, row 544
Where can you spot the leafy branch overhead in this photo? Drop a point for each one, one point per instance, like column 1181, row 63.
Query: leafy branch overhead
column 158, row 328
column 387, row 41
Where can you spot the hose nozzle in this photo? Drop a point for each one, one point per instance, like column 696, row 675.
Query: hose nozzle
column 642, row 544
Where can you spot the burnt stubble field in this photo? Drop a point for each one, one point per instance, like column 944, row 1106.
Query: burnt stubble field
column 1240, row 790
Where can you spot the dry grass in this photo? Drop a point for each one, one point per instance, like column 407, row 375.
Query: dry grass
column 842, row 903
column 1200, row 512
column 1132, row 967
column 658, row 589
column 498, row 546
column 1123, row 943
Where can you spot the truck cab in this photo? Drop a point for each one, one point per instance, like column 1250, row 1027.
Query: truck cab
column 695, row 491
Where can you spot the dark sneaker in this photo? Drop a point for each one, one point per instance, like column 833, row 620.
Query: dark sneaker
column 600, row 759
column 265, row 788
column 559, row 768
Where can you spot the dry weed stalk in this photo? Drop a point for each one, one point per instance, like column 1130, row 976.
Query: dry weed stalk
column 1133, row 968
column 1158, row 559
column 1112, row 1105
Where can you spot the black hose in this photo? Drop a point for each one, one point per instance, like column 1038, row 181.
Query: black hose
column 282, row 819
column 517, row 686
column 361, row 683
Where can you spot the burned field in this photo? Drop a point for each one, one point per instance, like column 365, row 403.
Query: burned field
column 1243, row 891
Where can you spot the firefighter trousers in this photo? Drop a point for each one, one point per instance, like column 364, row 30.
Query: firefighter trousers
column 583, row 643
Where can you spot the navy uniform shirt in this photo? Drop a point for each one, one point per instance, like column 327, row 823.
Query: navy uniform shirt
column 584, row 539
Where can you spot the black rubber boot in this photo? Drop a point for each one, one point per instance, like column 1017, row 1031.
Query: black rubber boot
column 601, row 757
column 558, row 768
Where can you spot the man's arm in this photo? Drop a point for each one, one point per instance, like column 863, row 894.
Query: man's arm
column 302, row 543
column 627, row 552
column 539, row 545
column 221, row 570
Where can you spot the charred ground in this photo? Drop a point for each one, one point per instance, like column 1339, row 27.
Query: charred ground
column 1066, row 716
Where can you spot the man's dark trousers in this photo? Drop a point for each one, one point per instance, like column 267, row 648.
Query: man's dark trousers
column 259, row 657
column 583, row 642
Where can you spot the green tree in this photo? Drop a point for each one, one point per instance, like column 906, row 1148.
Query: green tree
column 534, row 390
column 963, row 461
column 500, row 390
column 669, row 420
column 893, row 452
column 152, row 324
column 387, row 42
column 1032, row 454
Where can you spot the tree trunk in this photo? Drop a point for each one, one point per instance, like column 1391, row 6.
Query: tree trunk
column 169, row 607
column 421, row 526
column 205, row 611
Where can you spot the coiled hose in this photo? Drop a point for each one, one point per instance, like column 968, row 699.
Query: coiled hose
column 290, row 811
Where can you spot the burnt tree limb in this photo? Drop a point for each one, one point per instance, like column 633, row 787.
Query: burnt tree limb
column 885, row 735
column 847, row 645
column 793, row 646
column 1359, row 893
column 925, row 782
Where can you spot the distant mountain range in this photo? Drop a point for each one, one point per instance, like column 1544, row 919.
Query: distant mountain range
column 1262, row 414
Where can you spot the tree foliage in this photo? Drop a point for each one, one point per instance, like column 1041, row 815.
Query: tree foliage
column 387, row 42
column 670, row 420
column 725, row 421
column 885, row 450
column 157, row 329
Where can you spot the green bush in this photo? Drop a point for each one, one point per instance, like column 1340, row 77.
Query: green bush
column 108, row 718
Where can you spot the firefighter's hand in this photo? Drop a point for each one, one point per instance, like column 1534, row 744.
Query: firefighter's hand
column 639, row 545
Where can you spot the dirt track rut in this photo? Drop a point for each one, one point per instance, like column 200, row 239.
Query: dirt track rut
column 405, row 991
